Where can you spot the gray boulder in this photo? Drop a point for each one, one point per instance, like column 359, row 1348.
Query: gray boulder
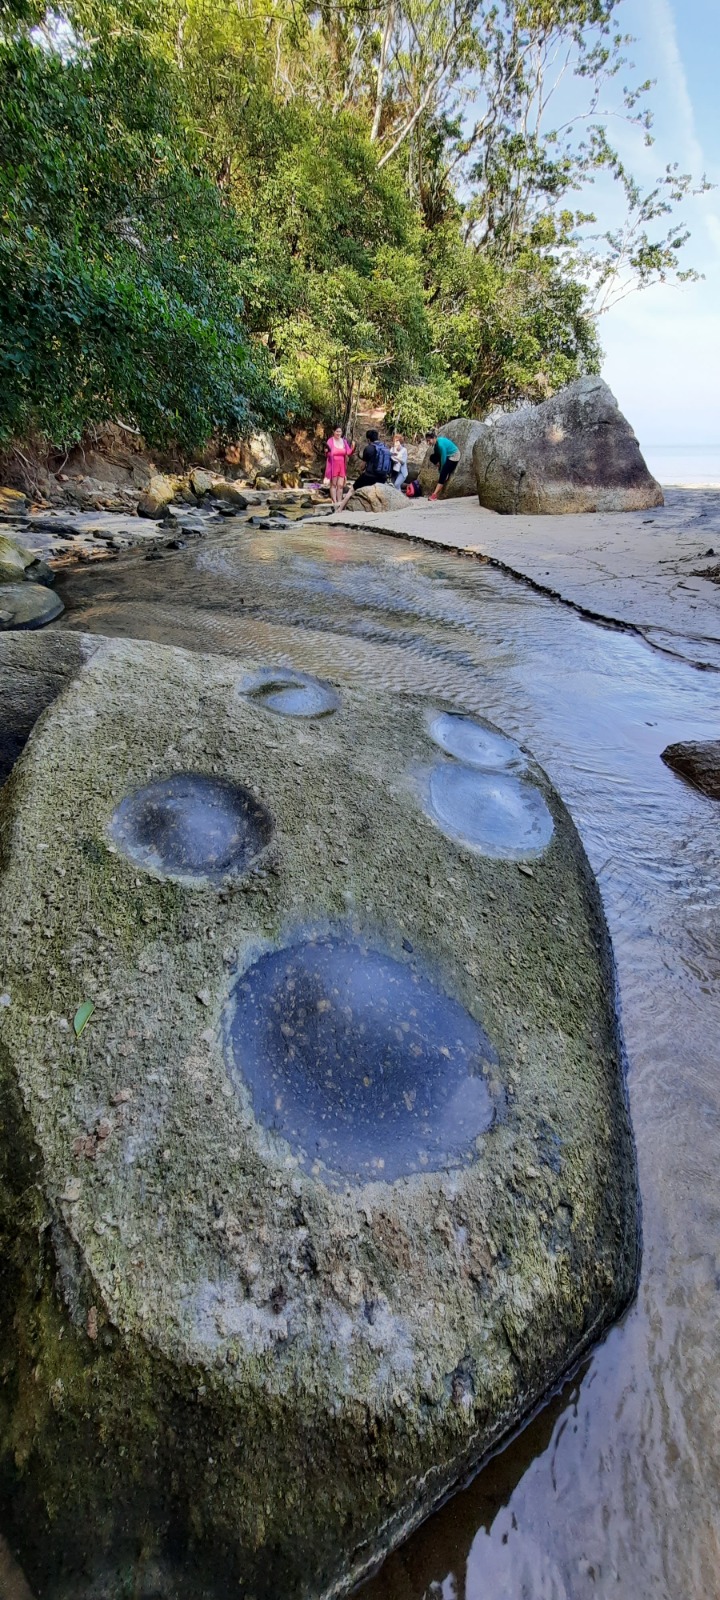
column 27, row 605
column 463, row 431
column 698, row 762
column 18, row 565
column 574, row 453
column 257, row 455
column 315, row 1166
column 377, row 497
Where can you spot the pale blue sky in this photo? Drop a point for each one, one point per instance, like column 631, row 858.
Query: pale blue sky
column 663, row 345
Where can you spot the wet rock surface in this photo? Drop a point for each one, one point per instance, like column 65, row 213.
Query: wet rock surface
column 574, row 453
column 290, row 694
column 259, row 1376
column 698, row 762
column 492, row 812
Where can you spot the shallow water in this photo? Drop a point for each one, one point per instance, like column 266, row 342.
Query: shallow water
column 614, row 1490
column 359, row 1061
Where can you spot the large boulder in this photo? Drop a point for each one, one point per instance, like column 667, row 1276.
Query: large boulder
column 315, row 1166
column 18, row 564
column 463, row 431
column 159, row 494
column 12, row 502
column 574, row 453
column 377, row 497
column 27, row 605
column 257, row 455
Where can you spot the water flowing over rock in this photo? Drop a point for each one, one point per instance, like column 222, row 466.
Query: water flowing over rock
column 574, row 453
column 463, row 431
column 316, row 1169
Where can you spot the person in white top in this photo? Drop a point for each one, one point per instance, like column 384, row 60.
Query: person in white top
column 398, row 456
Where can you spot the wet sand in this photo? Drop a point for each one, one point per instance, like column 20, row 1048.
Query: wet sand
column 633, row 569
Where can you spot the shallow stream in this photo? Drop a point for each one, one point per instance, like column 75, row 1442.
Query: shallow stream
column 614, row 1489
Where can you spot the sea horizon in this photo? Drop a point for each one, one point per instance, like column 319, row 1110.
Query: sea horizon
column 685, row 466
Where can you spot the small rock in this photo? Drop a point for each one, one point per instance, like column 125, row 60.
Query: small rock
column 5, row 1000
column 526, row 871
column 204, row 996
column 72, row 1191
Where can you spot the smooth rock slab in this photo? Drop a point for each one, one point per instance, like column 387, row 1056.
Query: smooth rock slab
column 220, row 1362
column 27, row 605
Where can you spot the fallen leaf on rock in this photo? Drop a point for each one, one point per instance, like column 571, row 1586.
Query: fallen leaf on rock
column 83, row 1015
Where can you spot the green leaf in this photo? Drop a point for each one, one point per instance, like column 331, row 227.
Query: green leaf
column 83, row 1015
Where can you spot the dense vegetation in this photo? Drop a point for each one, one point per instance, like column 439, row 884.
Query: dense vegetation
column 215, row 215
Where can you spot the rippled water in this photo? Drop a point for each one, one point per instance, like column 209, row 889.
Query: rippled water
column 614, row 1490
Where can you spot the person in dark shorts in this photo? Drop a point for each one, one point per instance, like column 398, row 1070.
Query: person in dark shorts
column 376, row 466
column 445, row 455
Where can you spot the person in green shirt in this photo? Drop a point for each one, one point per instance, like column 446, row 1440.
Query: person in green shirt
column 445, row 455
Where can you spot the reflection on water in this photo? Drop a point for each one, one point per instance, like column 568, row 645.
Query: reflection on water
column 614, row 1489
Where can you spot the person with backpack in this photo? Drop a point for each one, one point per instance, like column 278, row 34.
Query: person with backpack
column 377, row 466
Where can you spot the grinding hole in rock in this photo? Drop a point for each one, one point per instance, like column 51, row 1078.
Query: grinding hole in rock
column 192, row 826
column 289, row 693
column 492, row 812
column 359, row 1061
column 461, row 736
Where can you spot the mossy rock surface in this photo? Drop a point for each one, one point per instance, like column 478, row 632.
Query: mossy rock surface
column 228, row 1359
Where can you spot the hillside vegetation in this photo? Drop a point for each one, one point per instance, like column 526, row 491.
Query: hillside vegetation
column 219, row 215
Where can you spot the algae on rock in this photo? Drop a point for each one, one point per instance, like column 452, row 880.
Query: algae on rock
column 218, row 1350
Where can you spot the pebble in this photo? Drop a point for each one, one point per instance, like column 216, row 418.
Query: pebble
column 203, row 995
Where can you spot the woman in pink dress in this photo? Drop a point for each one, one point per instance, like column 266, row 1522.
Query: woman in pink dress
column 339, row 452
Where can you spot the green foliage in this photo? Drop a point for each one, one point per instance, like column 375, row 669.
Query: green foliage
column 120, row 266
column 214, row 216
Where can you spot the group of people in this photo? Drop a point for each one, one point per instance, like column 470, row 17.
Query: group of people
column 382, row 463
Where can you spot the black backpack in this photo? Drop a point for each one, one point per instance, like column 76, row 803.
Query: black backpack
column 383, row 460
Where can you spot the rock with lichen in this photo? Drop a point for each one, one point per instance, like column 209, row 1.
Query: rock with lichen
column 315, row 1171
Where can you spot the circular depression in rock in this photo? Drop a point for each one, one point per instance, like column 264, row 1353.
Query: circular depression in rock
column 192, row 826
column 290, row 693
column 461, row 736
column 493, row 812
column 365, row 1067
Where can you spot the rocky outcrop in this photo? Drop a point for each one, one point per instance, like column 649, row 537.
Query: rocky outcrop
column 160, row 493
column 12, row 502
column 698, row 762
column 574, row 453
column 263, row 1301
column 377, row 497
column 257, row 455
column 18, row 564
column 463, row 431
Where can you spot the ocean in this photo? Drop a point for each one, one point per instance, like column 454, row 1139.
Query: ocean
column 691, row 466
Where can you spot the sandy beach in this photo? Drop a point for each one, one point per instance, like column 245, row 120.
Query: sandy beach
column 634, row 570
